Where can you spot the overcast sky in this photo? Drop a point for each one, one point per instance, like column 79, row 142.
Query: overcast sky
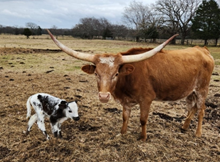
column 61, row 13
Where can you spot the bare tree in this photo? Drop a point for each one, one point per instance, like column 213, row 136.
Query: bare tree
column 142, row 20
column 120, row 31
column 90, row 27
column 178, row 15
column 54, row 30
column 136, row 16
column 33, row 27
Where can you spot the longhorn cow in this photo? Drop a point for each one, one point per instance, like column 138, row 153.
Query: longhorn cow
column 142, row 75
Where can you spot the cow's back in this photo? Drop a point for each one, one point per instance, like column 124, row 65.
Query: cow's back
column 168, row 75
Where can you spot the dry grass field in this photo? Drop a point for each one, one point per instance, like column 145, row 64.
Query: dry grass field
column 29, row 66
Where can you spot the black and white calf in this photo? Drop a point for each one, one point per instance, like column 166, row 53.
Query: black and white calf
column 56, row 109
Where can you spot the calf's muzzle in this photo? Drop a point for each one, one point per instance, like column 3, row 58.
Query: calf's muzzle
column 76, row 118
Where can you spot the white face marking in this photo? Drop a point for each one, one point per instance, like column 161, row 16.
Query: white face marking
column 107, row 60
column 104, row 83
column 72, row 110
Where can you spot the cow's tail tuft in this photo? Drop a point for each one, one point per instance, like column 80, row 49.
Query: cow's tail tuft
column 28, row 104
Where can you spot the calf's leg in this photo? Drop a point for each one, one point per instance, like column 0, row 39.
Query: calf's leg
column 31, row 121
column 41, row 125
column 56, row 129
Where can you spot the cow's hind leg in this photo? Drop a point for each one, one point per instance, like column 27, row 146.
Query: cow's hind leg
column 195, row 103
column 145, row 109
column 192, row 109
column 190, row 116
column 200, row 118
column 31, row 121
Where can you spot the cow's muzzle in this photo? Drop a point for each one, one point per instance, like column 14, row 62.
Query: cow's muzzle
column 76, row 118
column 104, row 97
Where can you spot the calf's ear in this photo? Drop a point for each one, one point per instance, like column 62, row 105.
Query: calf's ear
column 126, row 69
column 63, row 105
column 89, row 69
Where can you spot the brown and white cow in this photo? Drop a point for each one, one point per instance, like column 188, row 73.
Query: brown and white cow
column 142, row 75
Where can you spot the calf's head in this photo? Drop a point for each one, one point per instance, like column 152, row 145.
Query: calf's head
column 108, row 67
column 70, row 109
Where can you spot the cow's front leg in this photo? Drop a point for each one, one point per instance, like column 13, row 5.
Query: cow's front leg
column 125, row 115
column 145, row 109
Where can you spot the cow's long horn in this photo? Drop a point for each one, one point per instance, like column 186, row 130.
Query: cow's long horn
column 145, row 55
column 78, row 55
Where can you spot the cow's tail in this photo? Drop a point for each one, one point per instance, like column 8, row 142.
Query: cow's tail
column 28, row 104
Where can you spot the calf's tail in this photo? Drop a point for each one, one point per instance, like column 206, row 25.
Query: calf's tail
column 28, row 104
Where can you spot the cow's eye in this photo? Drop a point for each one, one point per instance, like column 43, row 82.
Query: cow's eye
column 115, row 76
column 97, row 75
column 70, row 111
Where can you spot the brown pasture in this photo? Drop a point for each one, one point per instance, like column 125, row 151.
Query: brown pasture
column 29, row 66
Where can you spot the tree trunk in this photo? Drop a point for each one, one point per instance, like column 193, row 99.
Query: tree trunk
column 216, row 42
column 183, row 39
column 173, row 41
column 206, row 42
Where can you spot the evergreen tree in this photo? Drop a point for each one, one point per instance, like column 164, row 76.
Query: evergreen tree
column 39, row 31
column 206, row 23
column 27, row 32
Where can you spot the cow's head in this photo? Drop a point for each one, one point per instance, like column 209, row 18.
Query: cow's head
column 108, row 67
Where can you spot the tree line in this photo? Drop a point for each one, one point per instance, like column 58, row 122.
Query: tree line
column 195, row 19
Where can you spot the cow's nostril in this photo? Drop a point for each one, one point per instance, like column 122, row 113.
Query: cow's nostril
column 104, row 96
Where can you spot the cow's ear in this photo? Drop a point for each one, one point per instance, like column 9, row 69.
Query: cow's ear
column 89, row 69
column 63, row 105
column 126, row 69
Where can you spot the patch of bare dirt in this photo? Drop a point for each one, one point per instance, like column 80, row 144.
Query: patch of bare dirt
column 96, row 136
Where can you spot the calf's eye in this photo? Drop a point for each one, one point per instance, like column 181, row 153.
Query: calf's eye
column 70, row 111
